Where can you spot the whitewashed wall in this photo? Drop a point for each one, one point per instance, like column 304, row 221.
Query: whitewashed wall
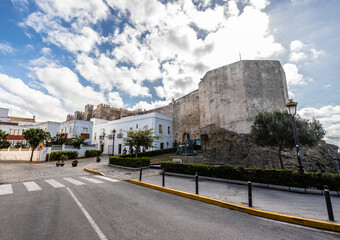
column 24, row 154
column 20, row 154
column 151, row 120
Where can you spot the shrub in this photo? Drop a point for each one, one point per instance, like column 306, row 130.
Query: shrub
column 57, row 155
column 268, row 176
column 130, row 162
column 150, row 153
column 92, row 153
column 63, row 157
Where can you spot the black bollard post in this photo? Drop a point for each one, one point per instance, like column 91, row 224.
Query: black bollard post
column 196, row 180
column 140, row 174
column 250, row 198
column 163, row 178
column 328, row 203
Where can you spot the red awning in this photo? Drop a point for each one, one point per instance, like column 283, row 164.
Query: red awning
column 16, row 137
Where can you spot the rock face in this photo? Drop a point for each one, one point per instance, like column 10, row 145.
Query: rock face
column 226, row 147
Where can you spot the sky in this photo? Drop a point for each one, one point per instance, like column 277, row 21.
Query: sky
column 58, row 56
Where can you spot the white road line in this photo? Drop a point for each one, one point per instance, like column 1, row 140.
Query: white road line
column 54, row 183
column 89, row 218
column 32, row 186
column 6, row 189
column 91, row 180
column 107, row 179
column 74, row 181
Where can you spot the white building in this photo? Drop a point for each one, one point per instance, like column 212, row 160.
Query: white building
column 102, row 131
column 16, row 125
column 73, row 128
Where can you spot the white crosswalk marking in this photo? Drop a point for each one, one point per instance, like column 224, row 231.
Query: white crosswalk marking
column 54, row 183
column 74, row 181
column 32, row 186
column 6, row 189
column 91, row 180
column 107, row 179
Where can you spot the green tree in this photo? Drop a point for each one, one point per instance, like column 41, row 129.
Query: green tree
column 140, row 138
column 3, row 139
column 34, row 137
column 274, row 129
column 77, row 141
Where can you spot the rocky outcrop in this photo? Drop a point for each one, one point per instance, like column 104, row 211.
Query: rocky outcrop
column 226, row 147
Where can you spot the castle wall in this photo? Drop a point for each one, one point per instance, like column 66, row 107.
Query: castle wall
column 231, row 96
column 185, row 113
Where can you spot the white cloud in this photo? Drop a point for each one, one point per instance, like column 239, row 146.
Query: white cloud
column 6, row 48
column 300, row 52
column 16, row 93
column 329, row 116
column 147, row 106
column 292, row 75
column 46, row 51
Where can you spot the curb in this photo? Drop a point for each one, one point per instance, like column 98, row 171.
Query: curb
column 93, row 171
column 127, row 168
column 60, row 160
column 256, row 212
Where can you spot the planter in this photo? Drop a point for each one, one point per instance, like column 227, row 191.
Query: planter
column 74, row 163
column 98, row 159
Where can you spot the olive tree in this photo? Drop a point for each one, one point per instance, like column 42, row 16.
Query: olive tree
column 3, row 139
column 35, row 136
column 140, row 138
column 274, row 129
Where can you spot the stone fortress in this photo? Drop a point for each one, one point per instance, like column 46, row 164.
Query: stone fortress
column 228, row 97
column 220, row 114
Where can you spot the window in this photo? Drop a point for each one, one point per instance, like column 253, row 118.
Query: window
column 95, row 136
column 160, row 129
column 62, row 130
column 168, row 130
column 136, row 126
column 85, row 130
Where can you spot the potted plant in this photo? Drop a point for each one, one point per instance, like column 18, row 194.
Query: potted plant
column 74, row 163
column 98, row 159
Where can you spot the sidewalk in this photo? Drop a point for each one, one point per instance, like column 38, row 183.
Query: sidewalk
column 296, row 204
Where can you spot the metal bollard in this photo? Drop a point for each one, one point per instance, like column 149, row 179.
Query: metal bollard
column 328, row 203
column 196, row 180
column 250, row 198
column 163, row 178
column 140, row 174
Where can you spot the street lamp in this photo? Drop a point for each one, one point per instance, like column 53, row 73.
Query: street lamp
column 292, row 111
column 113, row 141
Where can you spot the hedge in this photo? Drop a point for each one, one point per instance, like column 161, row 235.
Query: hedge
column 268, row 176
column 130, row 162
column 57, row 154
column 92, row 153
column 149, row 153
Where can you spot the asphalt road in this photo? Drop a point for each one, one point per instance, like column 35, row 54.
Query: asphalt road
column 120, row 210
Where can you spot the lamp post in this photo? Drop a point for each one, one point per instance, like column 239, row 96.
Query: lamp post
column 292, row 111
column 113, row 141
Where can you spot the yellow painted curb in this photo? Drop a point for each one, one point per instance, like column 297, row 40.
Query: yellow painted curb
column 271, row 215
column 92, row 171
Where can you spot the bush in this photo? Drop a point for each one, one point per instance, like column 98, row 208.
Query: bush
column 150, row 153
column 57, row 155
column 92, row 153
column 130, row 162
column 268, row 176
column 63, row 157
